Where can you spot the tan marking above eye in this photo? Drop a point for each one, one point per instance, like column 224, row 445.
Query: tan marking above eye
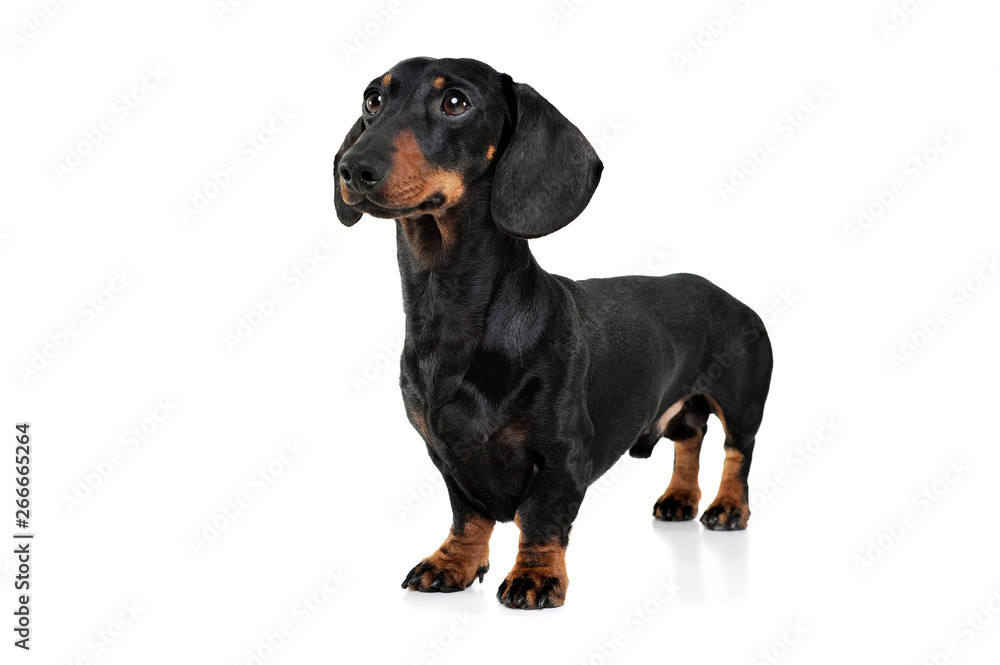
column 490, row 152
column 439, row 83
column 386, row 79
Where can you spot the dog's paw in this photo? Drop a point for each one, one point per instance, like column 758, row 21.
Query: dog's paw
column 676, row 506
column 724, row 516
column 441, row 573
column 532, row 589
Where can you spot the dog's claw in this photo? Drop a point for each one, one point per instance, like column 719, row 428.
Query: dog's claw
column 528, row 592
column 676, row 507
column 428, row 576
column 722, row 517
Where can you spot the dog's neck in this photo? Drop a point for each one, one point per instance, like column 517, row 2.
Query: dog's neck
column 456, row 267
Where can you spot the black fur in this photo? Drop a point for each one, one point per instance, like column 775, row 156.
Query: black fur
column 547, row 173
column 526, row 385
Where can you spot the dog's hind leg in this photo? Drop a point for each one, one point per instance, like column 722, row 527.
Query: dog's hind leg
column 731, row 509
column 687, row 430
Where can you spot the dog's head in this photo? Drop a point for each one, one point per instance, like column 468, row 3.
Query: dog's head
column 432, row 129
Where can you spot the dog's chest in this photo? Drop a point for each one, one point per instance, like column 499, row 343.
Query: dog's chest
column 492, row 463
column 463, row 437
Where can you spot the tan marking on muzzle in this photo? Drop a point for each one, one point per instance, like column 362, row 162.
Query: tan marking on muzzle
column 412, row 179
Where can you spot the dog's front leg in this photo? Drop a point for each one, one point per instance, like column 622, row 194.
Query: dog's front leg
column 538, row 578
column 462, row 557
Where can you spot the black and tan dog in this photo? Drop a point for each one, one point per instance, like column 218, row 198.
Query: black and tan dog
column 527, row 386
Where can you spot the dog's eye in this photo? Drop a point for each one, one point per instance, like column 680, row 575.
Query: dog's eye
column 455, row 103
column 373, row 102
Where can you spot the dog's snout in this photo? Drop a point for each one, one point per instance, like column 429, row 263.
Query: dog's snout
column 363, row 172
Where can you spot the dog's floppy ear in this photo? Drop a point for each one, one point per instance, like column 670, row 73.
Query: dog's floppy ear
column 548, row 171
column 347, row 215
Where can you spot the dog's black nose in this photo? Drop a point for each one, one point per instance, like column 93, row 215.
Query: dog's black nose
column 362, row 172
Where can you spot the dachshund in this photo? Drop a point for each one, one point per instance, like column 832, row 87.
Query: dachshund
column 524, row 385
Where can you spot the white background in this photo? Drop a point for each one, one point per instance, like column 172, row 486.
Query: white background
column 361, row 497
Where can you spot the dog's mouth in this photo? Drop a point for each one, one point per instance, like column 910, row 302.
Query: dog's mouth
column 413, row 186
column 385, row 210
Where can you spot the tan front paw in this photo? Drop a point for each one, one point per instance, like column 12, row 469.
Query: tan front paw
column 533, row 588
column 443, row 573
